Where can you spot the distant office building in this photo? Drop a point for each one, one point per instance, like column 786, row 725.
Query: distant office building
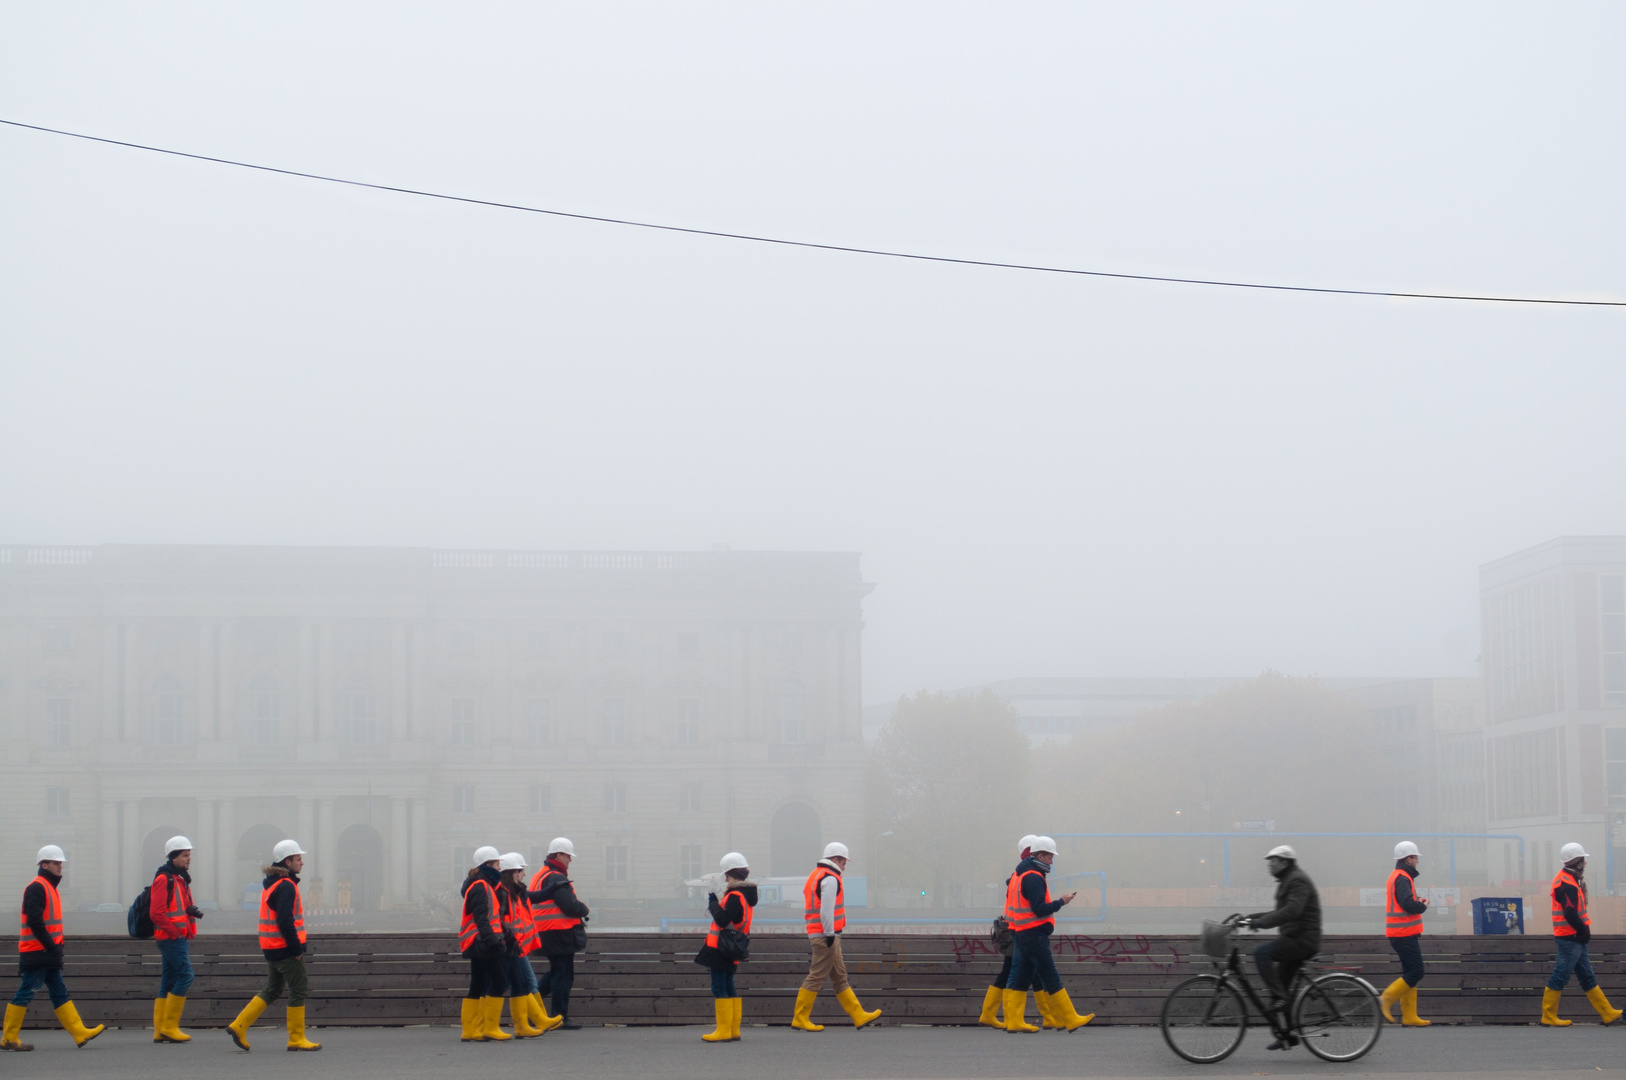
column 1553, row 620
column 395, row 708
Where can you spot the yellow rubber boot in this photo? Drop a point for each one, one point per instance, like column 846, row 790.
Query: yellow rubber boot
column 296, row 1030
column 1392, row 993
column 725, row 1021
column 174, row 1006
column 1408, row 1010
column 1549, row 1009
column 990, row 1007
column 802, row 1019
column 471, row 1020
column 11, row 1038
column 738, row 1017
column 68, row 1017
column 540, row 1017
column 1016, row 1004
column 860, row 1015
column 519, row 1011
column 1061, row 1009
column 160, row 1006
column 1606, row 1012
column 491, row 1020
column 1046, row 1019
column 238, row 1028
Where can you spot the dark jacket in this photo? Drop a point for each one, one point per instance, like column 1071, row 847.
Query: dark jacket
column 172, row 890
column 1569, row 899
column 282, row 906
column 477, row 905
column 34, row 916
column 1405, row 896
column 556, row 886
column 1033, row 891
column 738, row 896
column 1298, row 909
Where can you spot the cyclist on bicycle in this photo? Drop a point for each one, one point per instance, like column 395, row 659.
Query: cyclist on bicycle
column 1297, row 918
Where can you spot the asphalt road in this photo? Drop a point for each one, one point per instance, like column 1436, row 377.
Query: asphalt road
column 839, row 1053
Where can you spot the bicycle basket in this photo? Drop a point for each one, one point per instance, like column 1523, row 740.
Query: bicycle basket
column 1215, row 940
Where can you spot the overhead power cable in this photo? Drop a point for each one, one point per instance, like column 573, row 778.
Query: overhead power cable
column 816, row 246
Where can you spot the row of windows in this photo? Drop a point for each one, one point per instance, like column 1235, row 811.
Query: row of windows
column 1612, row 639
column 617, row 862
column 464, row 798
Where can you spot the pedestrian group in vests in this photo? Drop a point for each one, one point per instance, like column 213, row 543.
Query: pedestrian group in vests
column 507, row 919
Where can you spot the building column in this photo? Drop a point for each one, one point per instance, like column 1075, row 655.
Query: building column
column 227, row 886
column 327, row 847
column 397, row 718
column 305, row 683
column 203, row 697
column 399, row 854
column 108, row 842
column 315, row 857
column 110, row 684
column 322, row 721
column 130, row 876
column 226, row 718
column 208, row 843
column 420, row 848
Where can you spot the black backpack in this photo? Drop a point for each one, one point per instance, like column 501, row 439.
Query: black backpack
column 139, row 917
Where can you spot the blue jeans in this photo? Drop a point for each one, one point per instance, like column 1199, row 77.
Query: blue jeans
column 177, row 976
column 1410, row 951
column 521, row 977
column 33, row 979
column 1032, row 964
column 722, row 984
column 1572, row 956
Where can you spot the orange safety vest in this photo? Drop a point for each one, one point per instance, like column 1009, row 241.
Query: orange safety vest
column 1561, row 926
column 524, row 923
column 270, row 932
column 1018, row 912
column 471, row 929
column 810, row 900
column 1398, row 922
column 547, row 915
column 745, row 927
column 26, row 941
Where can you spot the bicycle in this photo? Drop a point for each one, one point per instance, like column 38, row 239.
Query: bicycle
column 1334, row 1014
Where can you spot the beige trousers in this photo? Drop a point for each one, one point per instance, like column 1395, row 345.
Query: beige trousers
column 827, row 964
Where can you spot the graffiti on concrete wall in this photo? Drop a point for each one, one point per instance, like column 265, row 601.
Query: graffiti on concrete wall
column 1104, row 950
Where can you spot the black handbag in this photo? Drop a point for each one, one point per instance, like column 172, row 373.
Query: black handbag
column 733, row 944
column 1001, row 934
column 581, row 938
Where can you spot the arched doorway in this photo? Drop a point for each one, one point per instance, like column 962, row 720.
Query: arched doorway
column 795, row 840
column 360, row 875
column 152, row 852
column 253, row 851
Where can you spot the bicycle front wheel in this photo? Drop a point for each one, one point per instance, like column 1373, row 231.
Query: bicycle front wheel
column 1204, row 1019
column 1337, row 1016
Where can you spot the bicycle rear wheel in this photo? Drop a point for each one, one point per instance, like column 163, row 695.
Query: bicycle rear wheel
column 1337, row 1017
column 1204, row 1019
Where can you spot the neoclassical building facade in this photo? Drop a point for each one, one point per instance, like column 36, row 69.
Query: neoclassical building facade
column 394, row 708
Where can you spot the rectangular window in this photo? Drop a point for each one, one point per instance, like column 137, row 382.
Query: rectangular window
column 615, row 643
column 463, row 721
column 166, row 712
column 56, row 802
column 538, row 643
column 615, row 798
column 463, row 643
column 541, row 798
column 689, row 861
column 462, row 798
column 58, row 642
column 462, row 859
column 1612, row 639
column 688, row 721
column 615, row 721
column 1614, row 752
column 688, row 642
column 615, row 862
column 534, row 861
column 1518, row 674
column 58, row 728
column 1527, row 775
column 688, row 797
column 538, row 721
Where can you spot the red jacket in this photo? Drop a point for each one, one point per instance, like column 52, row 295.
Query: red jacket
column 171, row 897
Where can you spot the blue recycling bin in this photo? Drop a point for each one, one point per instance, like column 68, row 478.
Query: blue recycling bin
column 1499, row 915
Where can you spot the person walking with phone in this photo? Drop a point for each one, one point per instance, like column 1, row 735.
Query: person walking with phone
column 1005, row 941
column 1403, row 927
column 731, row 911
column 1031, row 914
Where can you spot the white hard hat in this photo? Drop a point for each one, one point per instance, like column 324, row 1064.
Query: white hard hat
column 177, row 843
column 835, row 851
column 285, row 849
column 485, row 854
column 560, row 846
column 734, row 861
column 1043, row 843
column 1405, row 849
column 1281, row 851
column 1572, row 851
column 50, row 853
column 513, row 860
column 1025, row 843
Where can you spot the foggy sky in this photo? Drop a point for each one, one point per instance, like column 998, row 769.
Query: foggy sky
column 1046, row 476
